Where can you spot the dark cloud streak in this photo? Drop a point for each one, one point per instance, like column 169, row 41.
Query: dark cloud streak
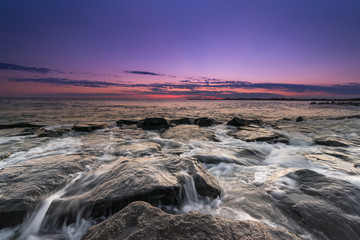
column 9, row 66
column 144, row 73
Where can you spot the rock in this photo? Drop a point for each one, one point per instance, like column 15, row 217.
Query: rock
column 238, row 122
column 19, row 125
column 331, row 141
column 140, row 220
column 356, row 165
column 125, row 122
column 23, row 184
column 4, row 155
column 189, row 132
column 258, row 134
column 141, row 149
column 204, row 122
column 155, row 180
column 327, row 207
column 182, row 121
column 300, row 119
column 153, row 124
column 89, row 126
column 42, row 132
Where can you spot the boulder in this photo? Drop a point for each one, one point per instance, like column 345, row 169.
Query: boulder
column 204, row 122
column 24, row 184
column 125, row 122
column 238, row 122
column 328, row 208
column 140, row 149
column 89, row 126
column 153, row 124
column 156, row 180
column 254, row 133
column 189, row 132
column 182, row 121
column 140, row 220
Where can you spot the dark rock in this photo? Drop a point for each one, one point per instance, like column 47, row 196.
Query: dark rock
column 125, row 122
column 23, row 184
column 19, row 125
column 327, row 207
column 140, row 220
column 42, row 132
column 182, row 121
column 332, row 142
column 356, row 165
column 300, row 119
column 189, row 132
column 89, row 126
column 204, row 122
column 238, row 122
column 153, row 124
column 313, row 103
column 155, row 180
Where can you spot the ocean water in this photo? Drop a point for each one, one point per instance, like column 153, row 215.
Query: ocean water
column 255, row 176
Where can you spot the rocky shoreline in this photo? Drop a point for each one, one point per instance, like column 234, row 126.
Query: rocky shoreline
column 125, row 187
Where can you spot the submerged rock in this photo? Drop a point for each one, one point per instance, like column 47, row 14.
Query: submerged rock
column 4, row 155
column 140, row 220
column 189, row 132
column 182, row 121
column 331, row 141
column 125, row 122
column 19, row 125
column 327, row 207
column 89, row 126
column 153, row 124
column 155, row 180
column 204, row 122
column 257, row 134
column 238, row 122
column 24, row 184
column 42, row 132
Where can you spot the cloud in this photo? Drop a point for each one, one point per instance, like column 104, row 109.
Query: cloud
column 144, row 73
column 8, row 66
column 67, row 82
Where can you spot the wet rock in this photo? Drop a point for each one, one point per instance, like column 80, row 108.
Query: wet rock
column 140, row 220
column 141, row 149
column 238, row 122
column 257, row 134
column 4, row 155
column 299, row 119
column 189, row 132
column 89, row 126
column 24, row 184
column 155, row 180
column 327, row 207
column 125, row 122
column 204, row 122
column 19, row 125
column 153, row 124
column 356, row 165
column 42, row 132
column 182, row 121
column 331, row 141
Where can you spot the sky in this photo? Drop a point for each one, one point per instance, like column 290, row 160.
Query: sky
column 140, row 49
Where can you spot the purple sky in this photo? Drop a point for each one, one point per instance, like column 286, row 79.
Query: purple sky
column 206, row 48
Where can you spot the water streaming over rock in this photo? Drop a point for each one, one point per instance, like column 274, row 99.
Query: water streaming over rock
column 68, row 182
